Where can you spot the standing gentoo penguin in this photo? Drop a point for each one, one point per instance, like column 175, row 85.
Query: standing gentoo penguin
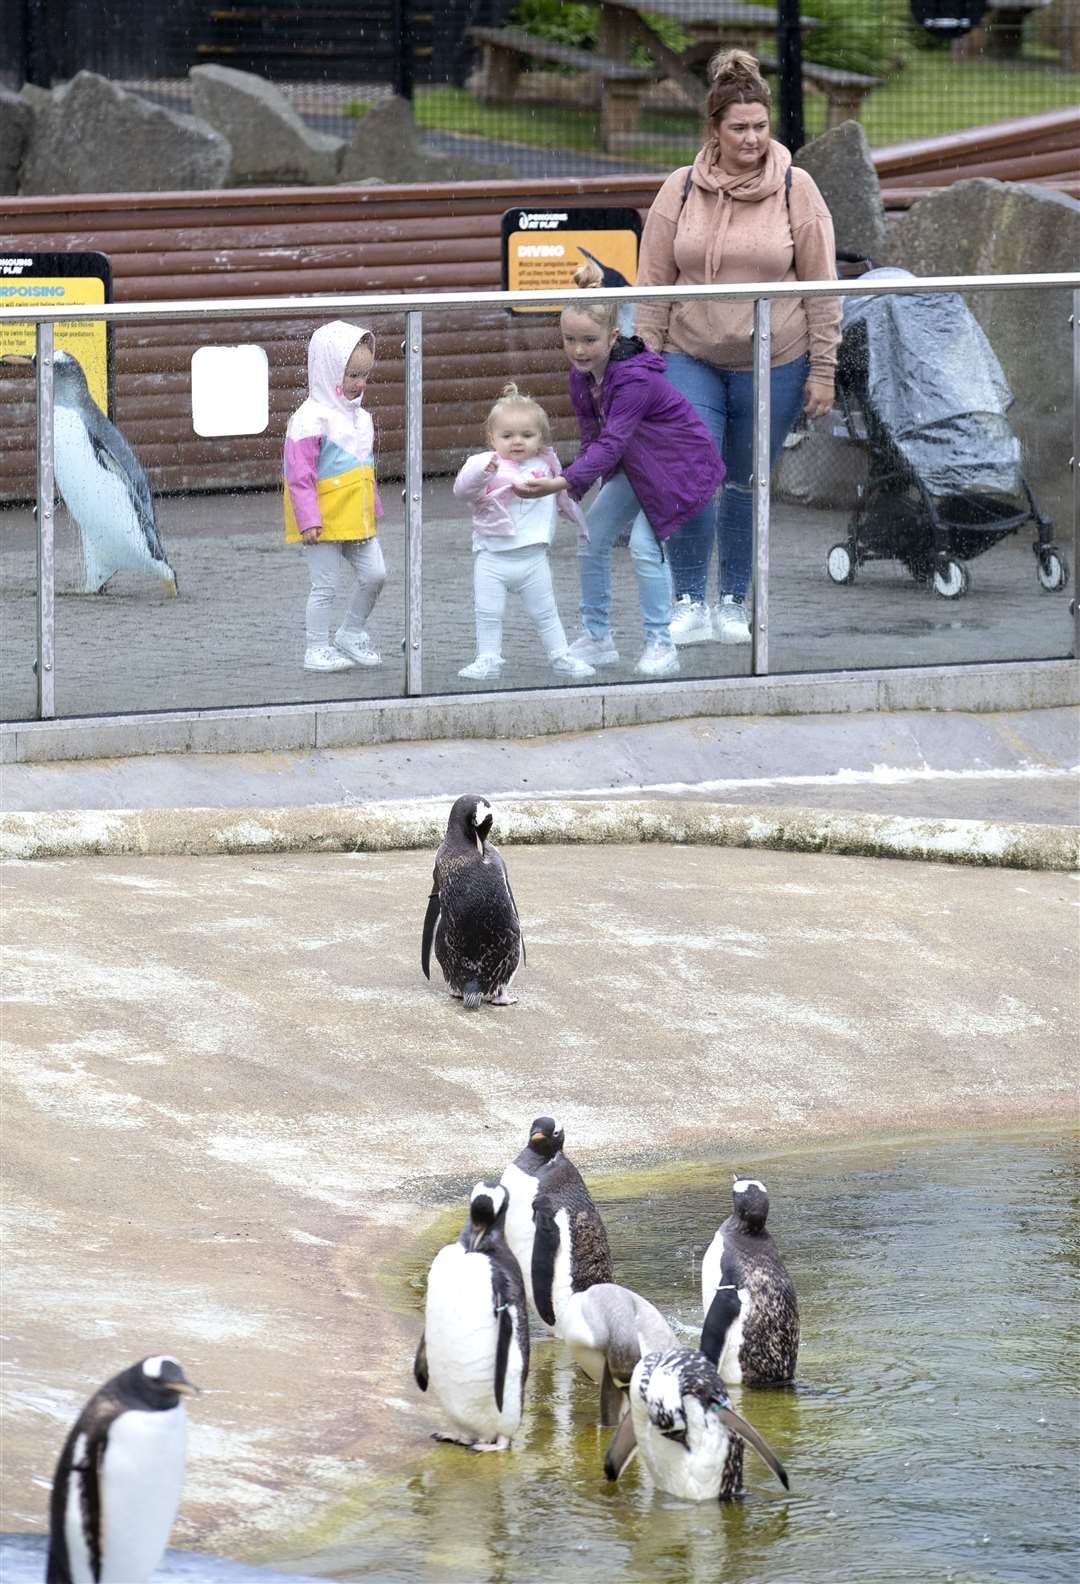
column 472, row 918
column 475, row 1346
column 690, row 1438
column 117, row 1484
column 552, row 1225
column 608, row 1329
column 102, row 484
column 762, row 1343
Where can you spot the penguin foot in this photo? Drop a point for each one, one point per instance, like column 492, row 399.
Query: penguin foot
column 457, row 995
column 452, row 1439
column 502, row 999
column 501, row 1445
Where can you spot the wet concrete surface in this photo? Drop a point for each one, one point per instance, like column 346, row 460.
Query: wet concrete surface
column 232, row 1099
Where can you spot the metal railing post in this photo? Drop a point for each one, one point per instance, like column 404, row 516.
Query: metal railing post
column 759, row 484
column 1075, row 464
column 414, row 503
column 46, row 547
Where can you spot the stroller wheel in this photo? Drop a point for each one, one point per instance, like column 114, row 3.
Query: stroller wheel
column 1052, row 571
column 951, row 580
column 839, row 564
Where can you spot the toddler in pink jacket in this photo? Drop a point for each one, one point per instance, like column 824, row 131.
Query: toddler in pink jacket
column 511, row 534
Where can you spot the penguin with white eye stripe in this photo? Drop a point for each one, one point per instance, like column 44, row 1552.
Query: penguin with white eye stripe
column 117, row 1485
column 759, row 1343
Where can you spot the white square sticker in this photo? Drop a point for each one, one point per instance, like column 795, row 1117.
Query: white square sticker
column 230, row 390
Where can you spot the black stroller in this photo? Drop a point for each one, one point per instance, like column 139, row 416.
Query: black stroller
column 920, row 387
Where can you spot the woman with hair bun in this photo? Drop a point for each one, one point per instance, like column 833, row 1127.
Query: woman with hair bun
column 740, row 213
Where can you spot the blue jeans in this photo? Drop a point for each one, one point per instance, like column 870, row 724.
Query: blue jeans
column 614, row 508
column 724, row 401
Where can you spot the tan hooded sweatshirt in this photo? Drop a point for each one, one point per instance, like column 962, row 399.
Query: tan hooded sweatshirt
column 736, row 229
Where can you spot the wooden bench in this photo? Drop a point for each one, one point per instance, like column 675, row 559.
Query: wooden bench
column 844, row 91
column 508, row 49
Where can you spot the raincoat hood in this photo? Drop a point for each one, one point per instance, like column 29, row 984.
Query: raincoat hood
column 330, row 348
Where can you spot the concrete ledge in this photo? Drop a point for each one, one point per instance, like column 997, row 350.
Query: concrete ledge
column 402, row 826
column 1012, row 685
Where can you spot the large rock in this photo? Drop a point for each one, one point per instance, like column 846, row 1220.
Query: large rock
column 840, row 163
column 16, row 120
column 984, row 227
column 385, row 146
column 91, row 136
column 270, row 142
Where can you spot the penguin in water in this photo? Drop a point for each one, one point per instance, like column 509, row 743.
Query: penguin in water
column 690, row 1438
column 608, row 1330
column 474, row 1350
column 762, row 1342
column 102, row 484
column 552, row 1225
column 472, row 918
column 117, row 1484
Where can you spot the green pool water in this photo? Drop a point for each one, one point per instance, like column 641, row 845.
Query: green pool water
column 932, row 1434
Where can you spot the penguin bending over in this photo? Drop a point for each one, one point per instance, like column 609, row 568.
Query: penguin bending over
column 117, row 1484
column 474, row 1350
column 762, row 1343
column 103, row 485
column 472, row 918
column 690, row 1438
column 552, row 1225
column 608, row 1329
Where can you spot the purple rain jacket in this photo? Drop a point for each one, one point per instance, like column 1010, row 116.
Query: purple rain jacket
column 650, row 430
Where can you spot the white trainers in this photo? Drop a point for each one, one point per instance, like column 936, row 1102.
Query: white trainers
column 692, row 621
column 732, row 622
column 483, row 668
column 595, row 651
column 357, row 646
column 324, row 657
column 658, row 658
column 572, row 665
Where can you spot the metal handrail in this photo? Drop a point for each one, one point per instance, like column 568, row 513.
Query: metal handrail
column 410, row 302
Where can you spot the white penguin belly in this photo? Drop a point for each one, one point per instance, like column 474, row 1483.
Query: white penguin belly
column 98, row 500
column 562, row 1286
column 78, row 1553
column 519, row 1221
column 585, row 1349
column 694, row 1475
column 461, row 1332
column 141, row 1478
column 728, row 1366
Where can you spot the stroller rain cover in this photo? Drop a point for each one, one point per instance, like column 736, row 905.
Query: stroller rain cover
column 935, row 384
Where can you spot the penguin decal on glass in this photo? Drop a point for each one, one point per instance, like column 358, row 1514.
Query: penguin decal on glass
column 474, row 1351
column 102, row 484
column 552, row 1225
column 117, row 1484
column 472, row 918
column 761, row 1342
column 690, row 1438
column 608, row 1330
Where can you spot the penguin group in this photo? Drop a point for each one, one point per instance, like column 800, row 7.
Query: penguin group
column 536, row 1241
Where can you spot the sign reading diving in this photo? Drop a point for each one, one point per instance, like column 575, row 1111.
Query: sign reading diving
column 45, row 280
column 541, row 248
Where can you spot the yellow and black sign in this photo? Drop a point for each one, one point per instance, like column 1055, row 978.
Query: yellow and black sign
column 46, row 280
column 541, row 248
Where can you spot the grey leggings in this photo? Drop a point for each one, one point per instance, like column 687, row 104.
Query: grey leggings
column 325, row 562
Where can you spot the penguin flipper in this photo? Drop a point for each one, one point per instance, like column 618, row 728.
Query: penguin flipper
column 742, row 1428
column 621, row 1448
column 431, row 924
column 133, row 480
column 502, row 1347
column 420, row 1369
column 611, row 1399
column 546, row 1239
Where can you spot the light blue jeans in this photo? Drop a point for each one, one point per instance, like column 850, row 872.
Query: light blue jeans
column 614, row 509
column 724, row 401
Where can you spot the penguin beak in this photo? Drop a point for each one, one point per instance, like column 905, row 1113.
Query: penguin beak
column 537, row 1138
column 185, row 1387
column 17, row 357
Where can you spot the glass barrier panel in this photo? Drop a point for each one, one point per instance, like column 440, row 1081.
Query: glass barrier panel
column 190, row 595
column 18, row 543
column 926, row 520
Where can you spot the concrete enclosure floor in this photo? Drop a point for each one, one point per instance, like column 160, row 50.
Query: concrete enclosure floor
column 231, row 1096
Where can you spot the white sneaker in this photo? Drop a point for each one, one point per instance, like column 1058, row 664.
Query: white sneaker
column 658, row 658
column 692, row 621
column 732, row 622
column 324, row 657
column 483, row 668
column 357, row 646
column 595, row 651
column 572, row 665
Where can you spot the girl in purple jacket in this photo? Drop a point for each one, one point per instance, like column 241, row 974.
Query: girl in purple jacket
column 658, row 465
